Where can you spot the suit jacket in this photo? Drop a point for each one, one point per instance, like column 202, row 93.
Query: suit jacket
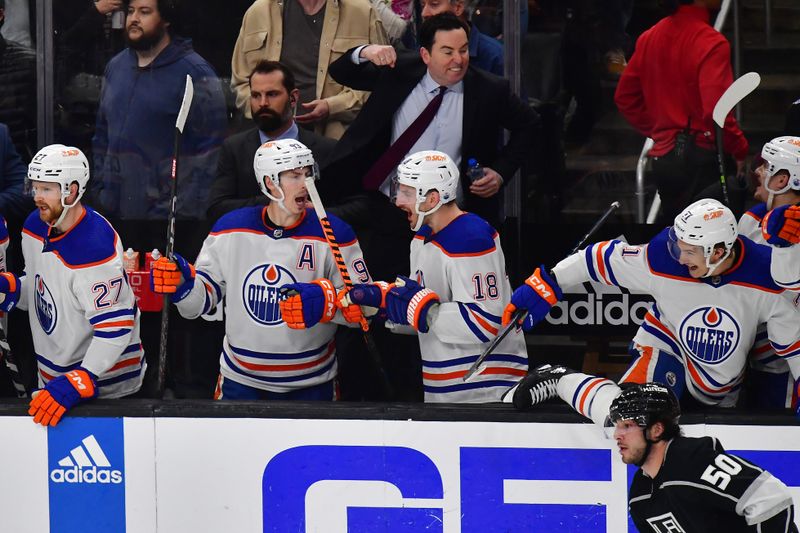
column 235, row 184
column 13, row 203
column 489, row 107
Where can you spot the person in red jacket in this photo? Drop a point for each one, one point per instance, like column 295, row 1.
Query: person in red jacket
column 679, row 70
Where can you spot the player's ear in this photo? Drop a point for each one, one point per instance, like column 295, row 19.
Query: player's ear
column 73, row 193
column 656, row 431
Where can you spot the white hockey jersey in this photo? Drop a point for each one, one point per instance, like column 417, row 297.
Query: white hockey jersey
column 82, row 311
column 245, row 261
column 762, row 355
column 709, row 323
column 464, row 264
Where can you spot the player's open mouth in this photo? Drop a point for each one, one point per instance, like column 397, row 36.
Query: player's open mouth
column 300, row 201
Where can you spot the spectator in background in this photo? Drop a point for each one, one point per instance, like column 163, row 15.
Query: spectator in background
column 484, row 52
column 395, row 17
column 88, row 34
column 13, row 204
column 273, row 99
column 18, row 91
column 143, row 91
column 306, row 36
column 679, row 70
column 18, row 24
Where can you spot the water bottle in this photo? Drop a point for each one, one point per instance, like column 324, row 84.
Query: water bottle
column 474, row 170
column 118, row 19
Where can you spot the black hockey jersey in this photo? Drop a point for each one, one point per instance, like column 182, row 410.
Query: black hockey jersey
column 700, row 488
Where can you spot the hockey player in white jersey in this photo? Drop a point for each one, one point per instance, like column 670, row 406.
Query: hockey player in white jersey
column 250, row 254
column 712, row 289
column 455, row 293
column 778, row 189
column 82, row 312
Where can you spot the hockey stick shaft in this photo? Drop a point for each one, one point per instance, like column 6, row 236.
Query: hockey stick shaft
column 341, row 265
column 734, row 94
column 183, row 113
column 520, row 314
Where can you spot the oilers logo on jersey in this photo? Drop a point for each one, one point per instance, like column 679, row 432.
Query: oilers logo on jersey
column 46, row 310
column 710, row 334
column 260, row 292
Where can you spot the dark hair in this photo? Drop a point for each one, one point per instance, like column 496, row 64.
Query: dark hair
column 265, row 66
column 2, row 4
column 168, row 10
column 671, row 6
column 441, row 22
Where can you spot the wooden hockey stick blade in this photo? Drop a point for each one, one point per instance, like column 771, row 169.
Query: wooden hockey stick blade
column 188, row 96
column 734, row 94
column 518, row 316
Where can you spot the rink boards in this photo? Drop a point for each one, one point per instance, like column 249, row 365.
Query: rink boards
column 254, row 475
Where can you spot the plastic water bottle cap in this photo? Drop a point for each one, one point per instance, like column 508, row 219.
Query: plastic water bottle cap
column 472, row 162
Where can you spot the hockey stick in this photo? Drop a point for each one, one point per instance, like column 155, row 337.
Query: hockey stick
column 734, row 94
column 11, row 360
column 520, row 314
column 188, row 94
column 372, row 348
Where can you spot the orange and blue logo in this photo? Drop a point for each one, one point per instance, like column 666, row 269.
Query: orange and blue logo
column 710, row 334
column 260, row 293
column 45, row 305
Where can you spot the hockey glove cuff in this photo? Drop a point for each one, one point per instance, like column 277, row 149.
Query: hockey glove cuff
column 309, row 304
column 9, row 291
column 408, row 303
column 781, row 226
column 369, row 295
column 539, row 293
column 61, row 394
column 174, row 277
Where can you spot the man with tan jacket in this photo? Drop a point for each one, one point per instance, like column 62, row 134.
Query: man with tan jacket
column 317, row 32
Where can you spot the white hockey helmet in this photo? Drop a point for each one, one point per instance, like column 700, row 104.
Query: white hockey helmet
column 60, row 164
column 705, row 223
column 427, row 171
column 274, row 157
column 782, row 153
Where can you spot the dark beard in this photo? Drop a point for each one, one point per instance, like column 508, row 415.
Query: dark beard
column 146, row 41
column 268, row 121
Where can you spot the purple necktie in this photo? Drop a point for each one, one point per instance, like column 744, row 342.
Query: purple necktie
column 387, row 162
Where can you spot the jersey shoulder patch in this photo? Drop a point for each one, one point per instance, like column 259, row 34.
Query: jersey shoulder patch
column 467, row 235
column 660, row 261
column 754, row 267
column 757, row 211
column 245, row 219
column 341, row 229
column 90, row 242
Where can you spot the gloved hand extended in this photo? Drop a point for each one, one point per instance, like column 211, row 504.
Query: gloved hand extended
column 174, row 277
column 61, row 394
column 781, row 226
column 309, row 304
column 537, row 295
column 409, row 303
column 369, row 295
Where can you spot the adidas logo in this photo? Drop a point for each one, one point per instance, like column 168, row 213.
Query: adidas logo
column 86, row 463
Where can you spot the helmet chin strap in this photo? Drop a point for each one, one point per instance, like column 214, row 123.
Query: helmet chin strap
column 280, row 200
column 772, row 192
column 712, row 268
column 63, row 213
column 421, row 215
